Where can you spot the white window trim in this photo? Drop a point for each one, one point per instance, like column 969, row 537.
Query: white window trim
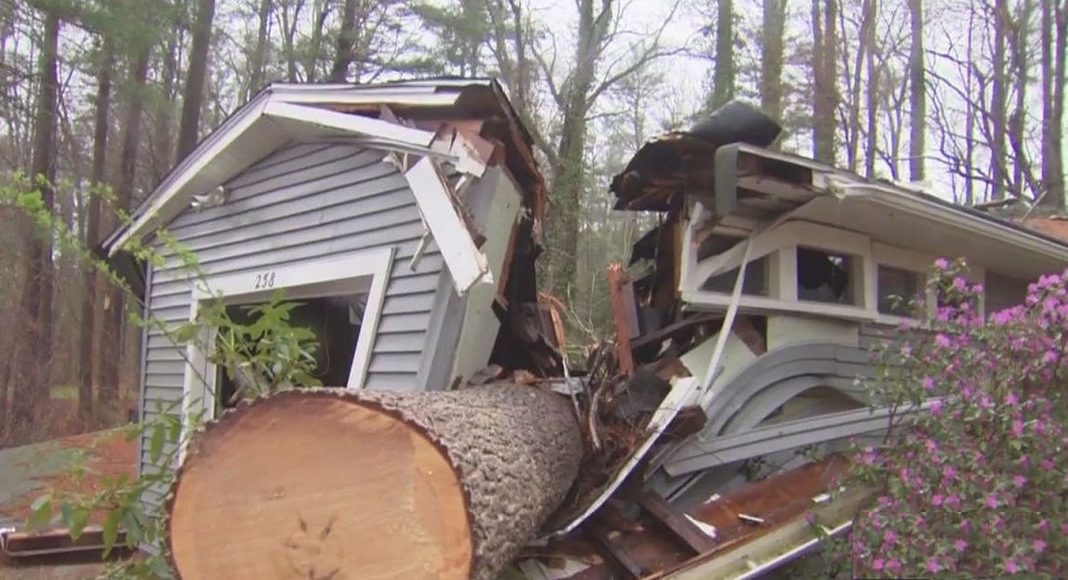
column 362, row 271
column 780, row 244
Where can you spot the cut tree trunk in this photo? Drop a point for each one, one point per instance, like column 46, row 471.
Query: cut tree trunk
column 343, row 484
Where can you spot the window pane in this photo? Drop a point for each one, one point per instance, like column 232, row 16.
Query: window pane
column 825, row 276
column 755, row 284
column 896, row 288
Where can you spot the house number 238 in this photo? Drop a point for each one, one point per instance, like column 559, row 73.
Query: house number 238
column 265, row 280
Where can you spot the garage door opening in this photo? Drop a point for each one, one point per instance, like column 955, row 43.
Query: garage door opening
column 334, row 320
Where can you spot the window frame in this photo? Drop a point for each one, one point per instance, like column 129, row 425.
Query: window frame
column 364, row 271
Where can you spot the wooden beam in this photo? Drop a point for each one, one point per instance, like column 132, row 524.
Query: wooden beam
column 618, row 558
column 678, row 526
column 618, row 283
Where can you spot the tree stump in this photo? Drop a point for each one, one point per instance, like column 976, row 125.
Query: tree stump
column 373, row 485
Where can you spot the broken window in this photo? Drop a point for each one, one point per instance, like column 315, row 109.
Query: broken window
column 755, row 283
column 335, row 320
column 896, row 288
column 824, row 276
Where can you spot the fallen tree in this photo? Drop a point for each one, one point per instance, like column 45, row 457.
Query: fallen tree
column 343, row 484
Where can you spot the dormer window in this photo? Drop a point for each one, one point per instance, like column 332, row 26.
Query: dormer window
column 824, row 276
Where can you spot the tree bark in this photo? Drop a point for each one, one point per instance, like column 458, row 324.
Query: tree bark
column 999, row 82
column 824, row 66
column 570, row 171
column 193, row 96
column 114, row 310
column 346, row 42
column 317, row 484
column 92, row 234
column 771, row 61
column 259, row 54
column 31, row 360
column 723, row 83
column 871, row 18
column 1054, row 25
column 917, row 95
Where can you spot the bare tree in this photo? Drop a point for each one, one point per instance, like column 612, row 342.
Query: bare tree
column 114, row 309
column 92, row 231
column 30, row 361
column 917, row 94
column 824, row 89
column 193, row 96
column 723, row 82
column 1054, row 26
column 771, row 61
column 259, row 53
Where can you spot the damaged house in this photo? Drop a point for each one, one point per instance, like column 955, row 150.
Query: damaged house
column 406, row 218
column 758, row 296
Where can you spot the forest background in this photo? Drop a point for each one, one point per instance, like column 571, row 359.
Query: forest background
column 966, row 96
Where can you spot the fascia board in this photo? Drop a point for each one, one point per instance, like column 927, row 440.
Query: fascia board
column 466, row 263
column 351, row 123
column 192, row 165
column 960, row 219
column 419, row 99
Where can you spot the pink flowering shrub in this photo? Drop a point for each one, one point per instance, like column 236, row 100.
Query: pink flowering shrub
column 976, row 483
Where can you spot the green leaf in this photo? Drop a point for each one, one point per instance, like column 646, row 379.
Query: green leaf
column 155, row 443
column 40, row 512
column 110, row 531
column 134, row 530
column 79, row 518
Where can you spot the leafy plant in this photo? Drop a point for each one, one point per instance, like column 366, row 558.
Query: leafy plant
column 976, row 484
column 267, row 351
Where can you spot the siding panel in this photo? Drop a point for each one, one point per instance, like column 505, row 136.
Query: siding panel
column 305, row 201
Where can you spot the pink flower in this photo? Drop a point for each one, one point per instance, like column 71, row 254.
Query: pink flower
column 1011, row 567
column 1039, row 546
column 1047, row 464
column 941, row 264
column 1017, row 428
column 890, row 537
column 1011, row 399
column 942, row 340
column 928, row 383
column 1050, row 357
column 932, row 566
column 936, row 500
column 960, row 545
column 1019, row 481
column 878, row 564
column 936, row 408
column 991, row 501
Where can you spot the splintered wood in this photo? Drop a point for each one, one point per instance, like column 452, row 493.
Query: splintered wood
column 318, row 484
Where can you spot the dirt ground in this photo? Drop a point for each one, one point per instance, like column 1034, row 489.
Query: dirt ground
column 28, row 472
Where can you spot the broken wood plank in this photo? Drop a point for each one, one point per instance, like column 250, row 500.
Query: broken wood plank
column 616, row 555
column 617, row 286
column 681, row 528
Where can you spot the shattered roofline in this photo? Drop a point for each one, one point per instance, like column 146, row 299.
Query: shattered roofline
column 248, row 135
